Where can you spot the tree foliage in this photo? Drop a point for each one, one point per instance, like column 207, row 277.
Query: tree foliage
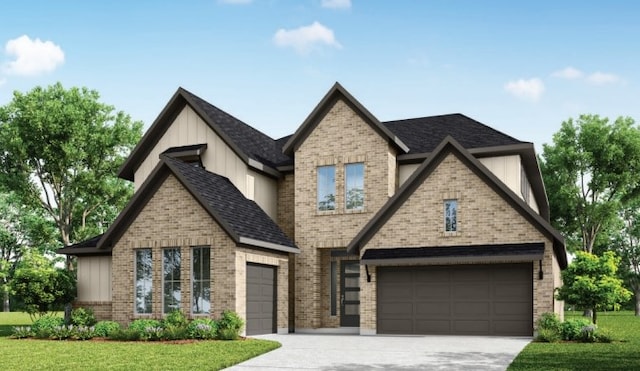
column 42, row 287
column 627, row 246
column 590, row 173
column 61, row 152
column 590, row 282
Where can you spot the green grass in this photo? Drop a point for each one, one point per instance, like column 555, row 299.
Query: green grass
column 109, row 355
column 622, row 354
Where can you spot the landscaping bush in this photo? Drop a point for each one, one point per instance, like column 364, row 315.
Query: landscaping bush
column 62, row 332
column 175, row 319
column 21, row 332
column 202, row 328
column 547, row 335
column 43, row 326
column 588, row 334
column 84, row 332
column 174, row 333
column 83, row 317
column 152, row 333
column 229, row 325
column 125, row 334
column 140, row 325
column 604, row 336
column 549, row 321
column 570, row 329
column 106, row 328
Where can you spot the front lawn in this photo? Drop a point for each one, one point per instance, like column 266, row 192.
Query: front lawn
column 110, row 355
column 622, row 354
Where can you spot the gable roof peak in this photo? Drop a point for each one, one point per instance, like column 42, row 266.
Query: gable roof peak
column 337, row 92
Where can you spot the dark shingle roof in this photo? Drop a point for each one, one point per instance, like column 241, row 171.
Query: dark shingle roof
column 242, row 216
column 423, row 135
column 86, row 247
column 251, row 141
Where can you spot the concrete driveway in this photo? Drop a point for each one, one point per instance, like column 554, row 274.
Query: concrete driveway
column 352, row 352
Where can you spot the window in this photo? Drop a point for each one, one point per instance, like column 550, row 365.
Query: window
column 450, row 215
column 525, row 187
column 334, row 288
column 171, row 279
column 354, row 186
column 144, row 281
column 326, row 188
column 201, row 280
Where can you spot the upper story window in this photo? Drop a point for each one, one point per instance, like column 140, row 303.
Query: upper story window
column 451, row 215
column 326, row 188
column 144, row 281
column 525, row 187
column 354, row 186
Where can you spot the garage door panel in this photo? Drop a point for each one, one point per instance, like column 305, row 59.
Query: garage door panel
column 432, row 291
column 433, row 326
column 472, row 299
column 260, row 292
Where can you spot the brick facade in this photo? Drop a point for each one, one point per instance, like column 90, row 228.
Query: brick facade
column 172, row 218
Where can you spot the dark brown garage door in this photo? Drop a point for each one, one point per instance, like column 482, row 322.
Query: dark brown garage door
column 261, row 303
column 459, row 300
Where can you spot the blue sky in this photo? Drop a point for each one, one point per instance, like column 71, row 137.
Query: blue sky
column 520, row 67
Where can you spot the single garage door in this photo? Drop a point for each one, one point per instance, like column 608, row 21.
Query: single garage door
column 459, row 300
column 261, row 299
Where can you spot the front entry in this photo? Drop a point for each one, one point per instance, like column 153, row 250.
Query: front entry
column 350, row 294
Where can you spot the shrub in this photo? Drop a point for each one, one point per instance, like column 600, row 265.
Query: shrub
column 549, row 321
column 21, row 332
column 43, row 326
column 62, row 332
column 84, row 332
column 176, row 319
column 174, row 333
column 229, row 325
column 570, row 329
column 125, row 334
column 547, row 335
column 588, row 334
column 140, row 325
column 202, row 328
column 604, row 336
column 106, row 328
column 83, row 317
column 152, row 333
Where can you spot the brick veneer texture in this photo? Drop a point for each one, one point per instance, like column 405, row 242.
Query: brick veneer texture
column 483, row 218
column 101, row 309
column 173, row 218
column 341, row 137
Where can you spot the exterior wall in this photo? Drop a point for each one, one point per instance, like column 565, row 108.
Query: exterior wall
column 483, row 218
column 94, row 279
column 101, row 309
column 405, row 171
column 341, row 137
column 173, row 218
column 188, row 129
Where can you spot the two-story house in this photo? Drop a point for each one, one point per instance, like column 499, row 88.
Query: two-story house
column 434, row 225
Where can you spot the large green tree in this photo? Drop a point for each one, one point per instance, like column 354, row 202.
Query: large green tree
column 22, row 230
column 591, row 283
column 61, row 149
column 627, row 246
column 590, row 172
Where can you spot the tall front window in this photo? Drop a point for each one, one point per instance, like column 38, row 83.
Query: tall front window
column 354, row 186
column 171, row 279
column 201, row 280
column 143, row 281
column 326, row 188
column 450, row 215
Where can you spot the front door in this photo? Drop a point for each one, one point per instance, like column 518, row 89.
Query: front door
column 350, row 294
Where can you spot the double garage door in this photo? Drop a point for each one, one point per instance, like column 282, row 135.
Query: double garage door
column 458, row 300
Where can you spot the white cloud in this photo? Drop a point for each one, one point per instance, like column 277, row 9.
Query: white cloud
column 601, row 78
column 568, row 73
column 531, row 89
column 336, row 4
column 235, row 2
column 32, row 57
column 304, row 39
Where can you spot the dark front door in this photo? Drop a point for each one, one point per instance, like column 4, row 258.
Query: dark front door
column 350, row 294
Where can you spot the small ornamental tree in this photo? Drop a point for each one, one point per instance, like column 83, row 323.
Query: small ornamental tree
column 590, row 282
column 42, row 287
